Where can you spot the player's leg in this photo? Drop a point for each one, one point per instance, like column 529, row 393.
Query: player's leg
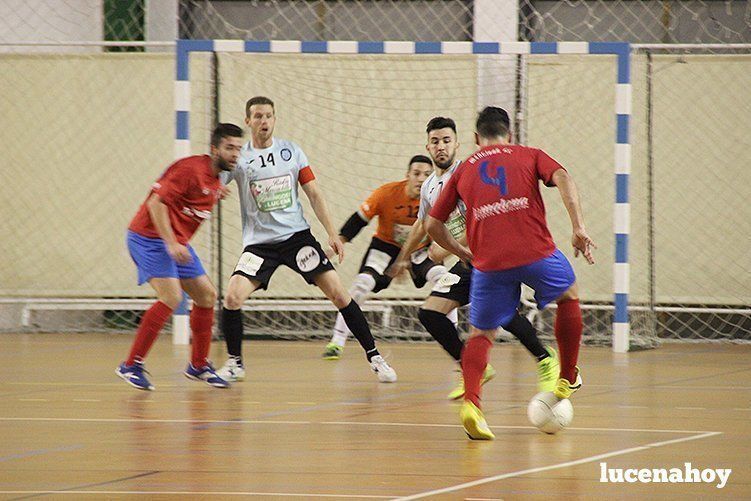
column 332, row 287
column 204, row 295
column 369, row 280
column 304, row 254
column 553, row 279
column 494, row 297
column 439, row 316
column 156, row 267
column 474, row 360
column 451, row 290
column 568, row 334
column 362, row 287
column 169, row 295
column 547, row 359
column 253, row 271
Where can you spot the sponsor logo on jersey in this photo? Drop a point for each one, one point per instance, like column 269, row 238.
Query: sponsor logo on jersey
column 307, row 258
column 196, row 213
column 500, row 207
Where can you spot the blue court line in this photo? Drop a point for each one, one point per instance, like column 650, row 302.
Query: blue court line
column 98, row 484
column 40, row 452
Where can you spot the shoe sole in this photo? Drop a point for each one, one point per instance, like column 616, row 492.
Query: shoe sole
column 331, row 357
column 474, row 432
column 193, row 378
column 127, row 380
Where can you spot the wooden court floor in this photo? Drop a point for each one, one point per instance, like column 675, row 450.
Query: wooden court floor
column 304, row 428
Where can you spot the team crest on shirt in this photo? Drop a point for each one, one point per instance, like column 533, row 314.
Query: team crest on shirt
column 286, row 154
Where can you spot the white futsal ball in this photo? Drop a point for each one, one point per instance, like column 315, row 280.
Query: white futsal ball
column 549, row 414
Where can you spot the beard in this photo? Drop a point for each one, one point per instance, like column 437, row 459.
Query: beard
column 225, row 165
column 445, row 164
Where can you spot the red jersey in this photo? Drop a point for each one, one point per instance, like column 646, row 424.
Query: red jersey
column 189, row 189
column 506, row 224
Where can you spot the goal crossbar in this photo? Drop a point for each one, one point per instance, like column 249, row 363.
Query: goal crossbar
column 622, row 111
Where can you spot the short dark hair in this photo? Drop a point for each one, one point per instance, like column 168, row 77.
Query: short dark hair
column 225, row 130
column 422, row 159
column 257, row 100
column 493, row 122
column 437, row 123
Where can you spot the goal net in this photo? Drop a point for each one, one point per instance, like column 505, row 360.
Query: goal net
column 80, row 161
column 361, row 116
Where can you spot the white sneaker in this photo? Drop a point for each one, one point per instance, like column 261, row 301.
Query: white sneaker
column 231, row 371
column 382, row 369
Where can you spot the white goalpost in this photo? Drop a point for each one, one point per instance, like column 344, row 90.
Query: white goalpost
column 244, row 68
column 677, row 268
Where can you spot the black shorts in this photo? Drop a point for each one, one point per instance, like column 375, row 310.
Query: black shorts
column 454, row 285
column 380, row 255
column 301, row 252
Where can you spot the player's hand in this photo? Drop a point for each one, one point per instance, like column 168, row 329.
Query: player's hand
column 336, row 248
column 331, row 252
column 465, row 254
column 179, row 253
column 583, row 244
column 224, row 192
column 397, row 268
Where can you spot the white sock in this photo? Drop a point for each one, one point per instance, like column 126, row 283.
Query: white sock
column 453, row 315
column 341, row 332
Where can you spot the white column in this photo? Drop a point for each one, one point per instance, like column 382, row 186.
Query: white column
column 161, row 23
column 496, row 21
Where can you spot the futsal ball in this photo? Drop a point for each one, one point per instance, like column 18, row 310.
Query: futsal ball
column 548, row 414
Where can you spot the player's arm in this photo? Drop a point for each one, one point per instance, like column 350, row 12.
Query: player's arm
column 438, row 254
column 570, row 196
column 435, row 222
column 359, row 219
column 401, row 263
column 160, row 217
column 321, row 209
column 352, row 227
column 349, row 230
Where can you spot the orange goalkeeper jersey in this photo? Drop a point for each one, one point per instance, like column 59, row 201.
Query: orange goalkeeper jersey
column 396, row 212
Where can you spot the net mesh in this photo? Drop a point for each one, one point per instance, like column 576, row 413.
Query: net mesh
column 106, row 124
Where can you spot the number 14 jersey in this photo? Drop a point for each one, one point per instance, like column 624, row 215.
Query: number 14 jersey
column 267, row 181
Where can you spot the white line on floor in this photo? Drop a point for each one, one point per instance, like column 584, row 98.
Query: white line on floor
column 557, row 466
column 205, row 493
column 335, row 423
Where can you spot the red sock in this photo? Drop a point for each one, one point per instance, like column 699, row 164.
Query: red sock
column 474, row 360
column 201, row 320
column 148, row 330
column 568, row 333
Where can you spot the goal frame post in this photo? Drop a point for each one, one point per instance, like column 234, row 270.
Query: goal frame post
column 622, row 109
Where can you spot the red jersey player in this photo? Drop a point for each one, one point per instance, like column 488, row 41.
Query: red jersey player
column 180, row 200
column 510, row 244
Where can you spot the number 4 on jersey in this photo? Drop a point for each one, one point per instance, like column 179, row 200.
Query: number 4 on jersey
column 499, row 179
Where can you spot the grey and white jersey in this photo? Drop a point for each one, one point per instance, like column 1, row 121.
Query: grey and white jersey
column 267, row 181
column 429, row 192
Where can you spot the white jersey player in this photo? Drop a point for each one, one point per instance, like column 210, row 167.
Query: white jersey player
column 270, row 174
